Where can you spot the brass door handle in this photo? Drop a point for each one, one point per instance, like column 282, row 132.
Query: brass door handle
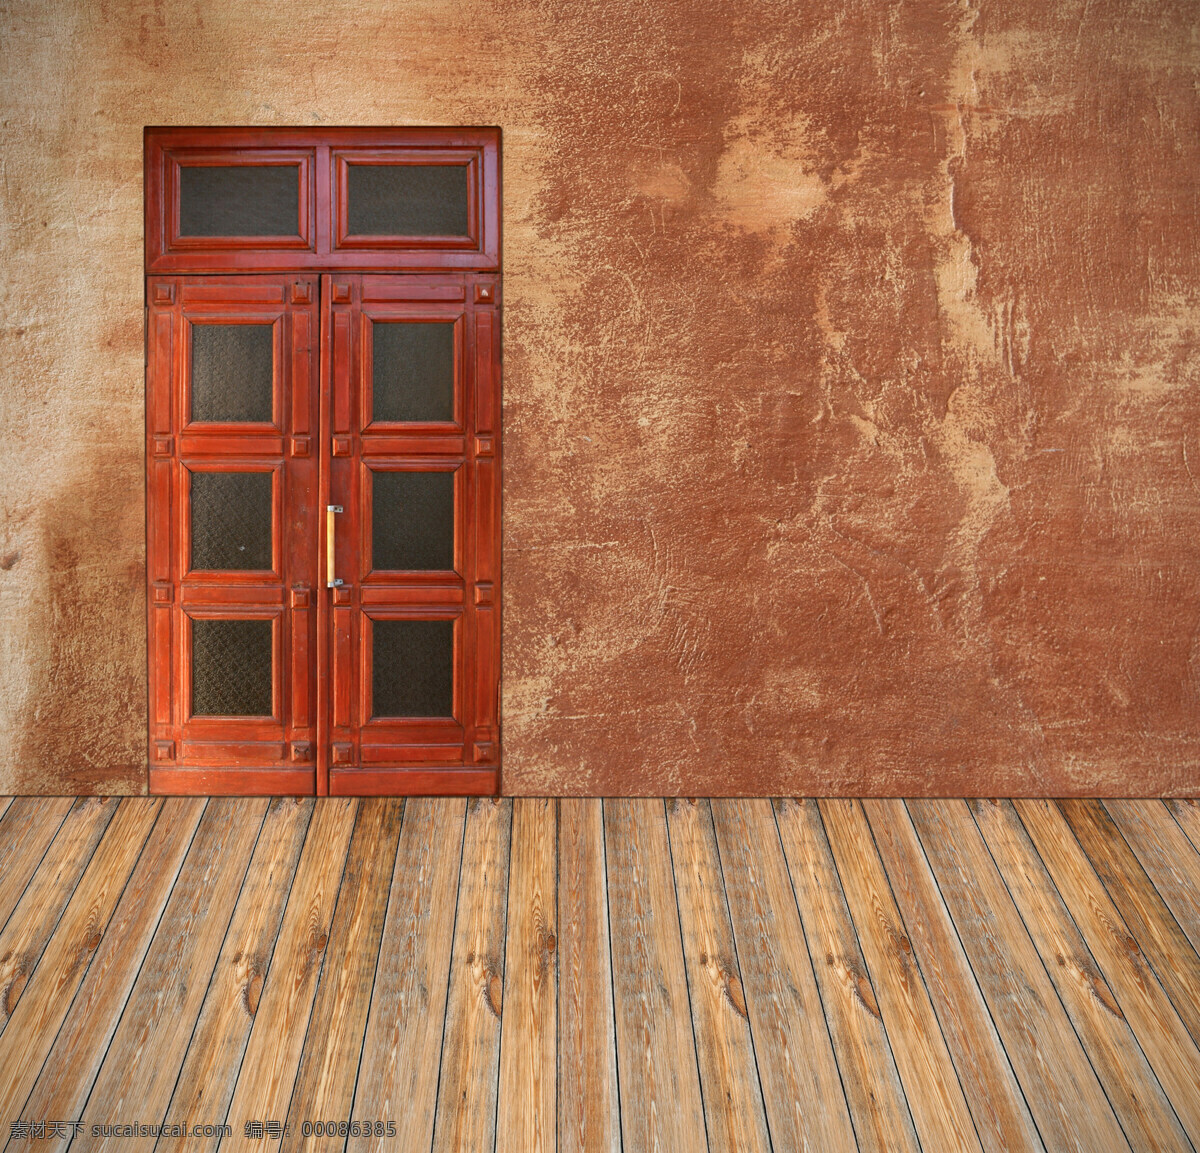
column 331, row 511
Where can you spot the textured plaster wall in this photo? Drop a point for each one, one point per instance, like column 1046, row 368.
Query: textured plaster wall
column 851, row 375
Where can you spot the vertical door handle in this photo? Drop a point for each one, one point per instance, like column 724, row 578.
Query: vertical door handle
column 331, row 511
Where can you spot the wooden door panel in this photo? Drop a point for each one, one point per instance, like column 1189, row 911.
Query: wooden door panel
column 318, row 230
column 386, row 728
column 198, row 467
column 435, row 582
column 198, row 458
column 225, row 548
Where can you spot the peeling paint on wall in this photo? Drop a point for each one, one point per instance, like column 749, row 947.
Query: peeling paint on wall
column 851, row 365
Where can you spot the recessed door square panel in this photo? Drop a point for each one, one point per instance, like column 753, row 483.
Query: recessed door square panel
column 412, row 668
column 231, row 668
column 407, row 199
column 412, row 520
column 412, row 377
column 232, row 372
column 239, row 200
column 231, row 520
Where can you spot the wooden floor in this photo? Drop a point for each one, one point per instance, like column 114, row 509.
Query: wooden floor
column 529, row 975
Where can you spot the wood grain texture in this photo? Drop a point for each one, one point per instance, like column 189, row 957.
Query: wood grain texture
column 28, row 826
column 1001, row 1117
column 801, row 1087
column 935, row 1096
column 198, row 753
column 139, row 1071
column 390, row 753
column 467, row 1083
column 1171, row 861
column 38, row 1015
column 1124, row 995
column 214, row 1056
column 67, row 1076
column 725, row 1051
column 660, row 1095
column 1187, row 814
column 878, row 1105
column 526, row 1118
column 1162, row 941
column 398, row 1078
column 588, row 1117
column 49, row 889
column 276, row 1042
column 382, row 969
column 329, row 1064
column 1136, row 1097
column 1065, row 1099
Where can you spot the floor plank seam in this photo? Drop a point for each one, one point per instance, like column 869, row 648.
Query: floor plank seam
column 213, row 975
column 142, row 963
column 1170, row 912
column 612, row 972
column 921, row 973
column 375, row 974
column 813, row 964
column 504, row 973
column 1049, row 977
column 358, row 812
column 871, row 981
column 449, row 970
column 975, row 976
column 737, row 957
column 686, row 973
column 33, row 872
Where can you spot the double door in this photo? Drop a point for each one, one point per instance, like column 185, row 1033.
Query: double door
column 323, row 533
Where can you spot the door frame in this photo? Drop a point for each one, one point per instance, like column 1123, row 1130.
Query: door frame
column 319, row 257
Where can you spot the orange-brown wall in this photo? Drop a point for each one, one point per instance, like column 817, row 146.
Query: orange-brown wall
column 852, row 376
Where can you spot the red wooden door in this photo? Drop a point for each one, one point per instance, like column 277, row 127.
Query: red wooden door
column 232, row 532
column 411, row 475
column 271, row 400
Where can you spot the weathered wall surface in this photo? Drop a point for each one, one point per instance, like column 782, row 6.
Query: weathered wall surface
column 851, row 376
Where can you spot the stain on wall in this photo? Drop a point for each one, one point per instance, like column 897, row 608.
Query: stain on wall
column 851, row 365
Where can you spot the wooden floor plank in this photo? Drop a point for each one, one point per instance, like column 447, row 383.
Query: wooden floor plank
column 38, row 1016
column 1040, row 955
column 729, row 1083
column 1064, row 1097
column 660, row 1098
column 268, row 1072
column 325, row 1082
column 1171, row 861
column 526, row 1119
column 1150, row 921
column 878, row 1106
column 28, row 826
column 998, row 1107
column 1187, row 813
column 140, row 1068
column 397, row 1080
column 214, row 1056
column 1140, row 1003
column 802, row 1089
column 588, row 1115
column 46, row 896
column 935, row 1095
column 66, row 1079
column 468, row 1082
